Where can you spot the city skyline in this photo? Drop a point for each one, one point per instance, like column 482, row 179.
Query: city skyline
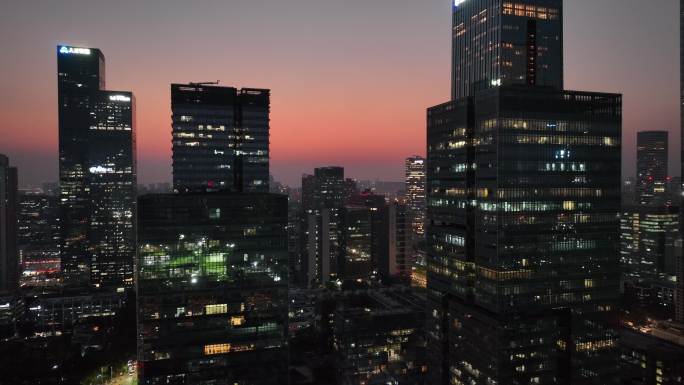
column 305, row 63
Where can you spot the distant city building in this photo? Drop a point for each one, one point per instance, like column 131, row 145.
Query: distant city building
column 648, row 236
column 97, row 168
column 628, row 191
column 378, row 337
column 9, row 257
column 220, row 138
column 213, row 289
column 651, row 165
column 53, row 313
column 154, row 188
column 387, row 236
column 12, row 314
column 323, row 195
column 652, row 356
column 38, row 236
column 679, row 271
column 415, row 196
column 356, row 243
column 506, row 43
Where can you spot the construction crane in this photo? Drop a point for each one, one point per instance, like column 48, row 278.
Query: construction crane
column 200, row 84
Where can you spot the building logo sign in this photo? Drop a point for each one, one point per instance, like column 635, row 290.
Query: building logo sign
column 101, row 170
column 119, row 98
column 74, row 50
column 458, row 2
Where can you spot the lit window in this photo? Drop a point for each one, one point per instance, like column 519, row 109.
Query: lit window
column 216, row 349
column 216, row 309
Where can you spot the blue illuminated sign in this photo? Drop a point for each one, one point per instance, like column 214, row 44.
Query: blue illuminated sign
column 65, row 50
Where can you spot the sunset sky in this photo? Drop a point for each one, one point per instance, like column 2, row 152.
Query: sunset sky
column 350, row 79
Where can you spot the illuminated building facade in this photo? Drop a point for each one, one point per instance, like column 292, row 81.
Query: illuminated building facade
column 213, row 289
column 648, row 253
column 9, row 257
column 58, row 312
column 97, row 169
column 648, row 236
column 523, row 269
column 651, row 165
column 505, row 42
column 38, row 236
column 522, row 229
column 220, row 138
column 415, row 196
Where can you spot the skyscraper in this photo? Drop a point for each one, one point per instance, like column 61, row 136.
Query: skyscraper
column 523, row 267
column 415, row 196
column 97, row 169
column 323, row 196
column 651, row 165
column 9, row 257
column 500, row 43
column 212, row 289
column 220, row 138
column 680, row 270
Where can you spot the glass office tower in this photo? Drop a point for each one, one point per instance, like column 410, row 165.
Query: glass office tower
column 220, row 138
column 97, row 169
column 212, row 289
column 680, row 260
column 9, row 256
column 523, row 267
column 502, row 42
column 652, row 163
column 523, row 204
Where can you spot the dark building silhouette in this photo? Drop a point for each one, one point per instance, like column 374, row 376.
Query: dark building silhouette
column 498, row 43
column 220, row 138
column 523, row 200
column 323, row 195
column 97, row 170
column 379, row 337
column 9, row 258
column 651, row 166
column 680, row 259
column 213, row 289
column 652, row 355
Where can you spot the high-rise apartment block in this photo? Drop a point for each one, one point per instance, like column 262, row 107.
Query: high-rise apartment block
column 523, row 201
column 220, row 138
column 97, row 171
